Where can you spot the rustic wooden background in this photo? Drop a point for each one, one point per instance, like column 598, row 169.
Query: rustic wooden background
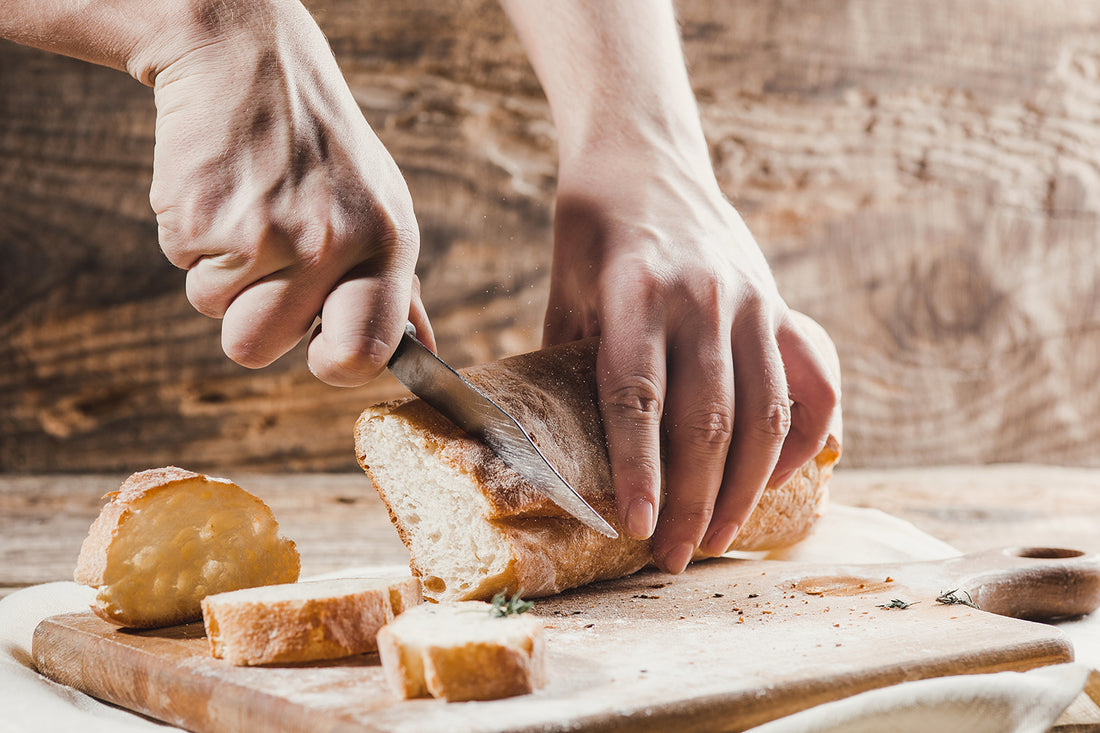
column 923, row 174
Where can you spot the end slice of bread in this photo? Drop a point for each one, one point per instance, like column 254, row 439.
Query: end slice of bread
column 462, row 651
column 304, row 622
column 170, row 537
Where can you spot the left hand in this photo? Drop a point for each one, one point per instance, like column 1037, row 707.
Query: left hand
column 696, row 346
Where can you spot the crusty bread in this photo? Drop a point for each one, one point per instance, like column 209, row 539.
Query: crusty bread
column 169, row 537
column 304, row 622
column 475, row 528
column 462, row 651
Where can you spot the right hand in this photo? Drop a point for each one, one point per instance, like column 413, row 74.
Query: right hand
column 275, row 195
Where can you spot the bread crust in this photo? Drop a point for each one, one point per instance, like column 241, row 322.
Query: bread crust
column 552, row 393
column 304, row 622
column 459, row 652
column 139, row 519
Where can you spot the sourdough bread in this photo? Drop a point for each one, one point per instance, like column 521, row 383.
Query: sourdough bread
column 475, row 528
column 304, row 622
column 169, row 537
column 462, row 651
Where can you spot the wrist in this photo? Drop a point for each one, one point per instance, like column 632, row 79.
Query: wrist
column 182, row 28
column 646, row 137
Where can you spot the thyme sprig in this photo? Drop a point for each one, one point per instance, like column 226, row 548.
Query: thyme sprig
column 503, row 606
column 898, row 603
column 951, row 598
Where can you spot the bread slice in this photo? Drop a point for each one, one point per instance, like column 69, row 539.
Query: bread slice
column 462, row 651
column 474, row 528
column 169, row 537
column 304, row 622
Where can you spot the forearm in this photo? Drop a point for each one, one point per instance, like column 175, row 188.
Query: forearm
column 140, row 37
column 613, row 71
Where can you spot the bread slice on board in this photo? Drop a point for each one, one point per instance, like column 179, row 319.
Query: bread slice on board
column 169, row 537
column 462, row 651
column 475, row 528
column 304, row 622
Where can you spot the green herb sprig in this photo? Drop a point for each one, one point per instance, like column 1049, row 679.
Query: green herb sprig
column 898, row 603
column 503, row 606
column 951, row 598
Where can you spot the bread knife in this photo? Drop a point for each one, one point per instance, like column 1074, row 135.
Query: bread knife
column 432, row 380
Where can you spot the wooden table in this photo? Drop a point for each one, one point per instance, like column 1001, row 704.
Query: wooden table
column 338, row 521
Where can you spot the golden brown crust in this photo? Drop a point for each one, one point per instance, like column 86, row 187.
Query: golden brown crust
column 552, row 393
column 304, row 622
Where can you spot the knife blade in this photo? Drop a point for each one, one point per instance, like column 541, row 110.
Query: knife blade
column 431, row 379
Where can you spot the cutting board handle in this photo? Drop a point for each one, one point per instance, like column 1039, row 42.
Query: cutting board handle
column 1031, row 582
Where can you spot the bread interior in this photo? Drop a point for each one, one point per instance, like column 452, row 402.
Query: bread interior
column 177, row 546
column 438, row 509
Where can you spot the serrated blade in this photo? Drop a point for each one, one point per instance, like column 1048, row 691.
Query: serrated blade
column 432, row 380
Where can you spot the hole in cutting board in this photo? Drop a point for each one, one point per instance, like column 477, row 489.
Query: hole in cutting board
column 1046, row 553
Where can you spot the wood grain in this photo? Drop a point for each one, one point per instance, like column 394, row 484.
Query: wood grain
column 924, row 177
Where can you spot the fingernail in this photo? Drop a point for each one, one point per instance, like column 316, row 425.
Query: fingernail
column 676, row 559
column 782, row 478
column 720, row 539
column 639, row 519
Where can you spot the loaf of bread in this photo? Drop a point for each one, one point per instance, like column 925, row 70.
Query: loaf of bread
column 474, row 527
column 304, row 622
column 462, row 651
column 169, row 537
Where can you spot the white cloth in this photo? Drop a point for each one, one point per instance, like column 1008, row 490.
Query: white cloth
column 1020, row 702
column 1000, row 703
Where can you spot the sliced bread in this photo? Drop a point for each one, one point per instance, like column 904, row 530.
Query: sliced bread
column 462, row 651
column 169, row 537
column 304, row 622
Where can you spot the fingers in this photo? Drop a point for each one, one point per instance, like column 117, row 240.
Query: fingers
column 699, row 423
column 361, row 324
column 814, row 393
column 631, row 383
column 762, row 422
column 267, row 319
column 362, row 311
column 418, row 314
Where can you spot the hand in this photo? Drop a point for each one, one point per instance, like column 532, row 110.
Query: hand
column 275, row 195
column 696, row 345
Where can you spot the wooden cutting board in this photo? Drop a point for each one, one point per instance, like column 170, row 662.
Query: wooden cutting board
column 727, row 645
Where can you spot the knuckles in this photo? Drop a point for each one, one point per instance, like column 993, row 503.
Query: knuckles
column 708, row 429
column 634, row 398
column 774, row 422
